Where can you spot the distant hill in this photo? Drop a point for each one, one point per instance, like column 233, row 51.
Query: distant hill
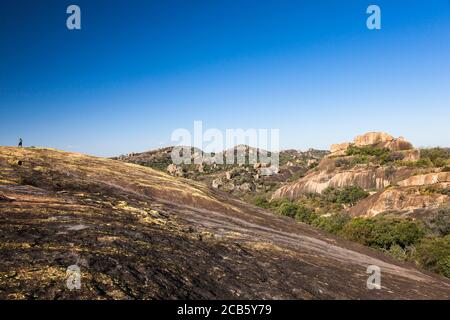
column 247, row 180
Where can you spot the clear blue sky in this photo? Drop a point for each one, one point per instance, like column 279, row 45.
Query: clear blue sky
column 140, row 69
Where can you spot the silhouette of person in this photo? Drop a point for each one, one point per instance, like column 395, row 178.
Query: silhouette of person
column 20, row 143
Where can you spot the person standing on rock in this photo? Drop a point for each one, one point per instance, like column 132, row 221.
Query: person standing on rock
column 20, row 142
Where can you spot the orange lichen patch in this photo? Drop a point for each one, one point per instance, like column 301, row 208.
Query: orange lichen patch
column 269, row 247
column 39, row 274
column 7, row 182
column 28, row 277
column 107, row 238
column 35, row 199
column 14, row 245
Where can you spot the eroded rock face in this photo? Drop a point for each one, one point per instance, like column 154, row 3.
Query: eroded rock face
column 407, row 197
column 410, row 155
column 366, row 178
column 398, row 200
column 339, row 148
column 426, row 179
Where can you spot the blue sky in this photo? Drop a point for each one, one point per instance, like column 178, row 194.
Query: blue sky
column 140, row 69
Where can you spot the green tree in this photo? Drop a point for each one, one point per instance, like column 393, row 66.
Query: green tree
column 434, row 254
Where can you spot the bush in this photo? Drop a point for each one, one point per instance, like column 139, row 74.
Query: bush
column 434, row 153
column 398, row 252
column 391, row 157
column 305, row 214
column 439, row 224
column 262, row 202
column 421, row 163
column 359, row 159
column 288, row 209
column 406, row 233
column 383, row 232
column 348, row 195
column 438, row 156
column 434, row 254
column 333, row 223
column 341, row 162
column 440, row 162
column 366, row 151
column 297, row 211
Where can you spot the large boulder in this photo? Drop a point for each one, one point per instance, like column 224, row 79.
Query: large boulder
column 382, row 140
column 270, row 171
column 400, row 144
column 175, row 170
column 374, row 139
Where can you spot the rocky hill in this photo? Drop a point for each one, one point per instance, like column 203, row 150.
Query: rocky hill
column 244, row 180
column 136, row 232
column 390, row 168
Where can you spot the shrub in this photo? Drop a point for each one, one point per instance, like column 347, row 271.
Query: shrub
column 439, row 162
column 348, row 195
column 262, row 202
column 397, row 252
column 439, row 224
column 434, row 254
column 305, row 214
column 383, row 232
column 359, row 159
column 288, row 209
column 435, row 153
column 366, row 151
column 406, row 232
column 391, row 157
column 341, row 162
column 359, row 230
column 421, row 163
column 333, row 223
column 297, row 211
